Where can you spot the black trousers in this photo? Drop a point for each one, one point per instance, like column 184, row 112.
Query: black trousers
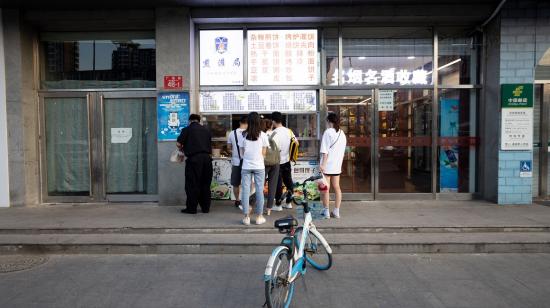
column 285, row 176
column 198, row 176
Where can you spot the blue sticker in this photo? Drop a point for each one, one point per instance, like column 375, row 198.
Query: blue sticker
column 172, row 114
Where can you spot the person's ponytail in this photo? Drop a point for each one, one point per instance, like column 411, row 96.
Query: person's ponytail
column 335, row 120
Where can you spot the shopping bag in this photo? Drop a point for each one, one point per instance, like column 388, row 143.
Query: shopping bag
column 177, row 156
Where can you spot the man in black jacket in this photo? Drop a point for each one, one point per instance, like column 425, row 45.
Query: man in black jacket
column 196, row 142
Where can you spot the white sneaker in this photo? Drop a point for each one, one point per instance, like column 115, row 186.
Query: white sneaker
column 260, row 220
column 325, row 213
column 246, row 221
column 287, row 205
column 277, row 208
column 240, row 207
column 334, row 215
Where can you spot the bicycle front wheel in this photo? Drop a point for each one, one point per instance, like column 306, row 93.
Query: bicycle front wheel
column 315, row 251
column 278, row 289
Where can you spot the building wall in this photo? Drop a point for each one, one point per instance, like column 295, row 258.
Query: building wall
column 524, row 36
column 4, row 174
column 173, row 58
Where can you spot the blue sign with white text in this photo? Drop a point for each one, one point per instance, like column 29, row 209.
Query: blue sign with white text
column 172, row 114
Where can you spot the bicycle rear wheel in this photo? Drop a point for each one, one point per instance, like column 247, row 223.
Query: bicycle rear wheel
column 278, row 290
column 316, row 253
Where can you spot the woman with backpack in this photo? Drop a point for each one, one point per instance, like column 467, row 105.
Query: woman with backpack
column 272, row 160
column 333, row 148
column 253, row 149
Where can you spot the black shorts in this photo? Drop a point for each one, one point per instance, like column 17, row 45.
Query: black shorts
column 326, row 174
column 236, row 175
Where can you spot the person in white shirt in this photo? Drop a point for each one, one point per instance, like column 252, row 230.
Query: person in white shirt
column 253, row 150
column 236, row 136
column 333, row 148
column 271, row 171
column 282, row 137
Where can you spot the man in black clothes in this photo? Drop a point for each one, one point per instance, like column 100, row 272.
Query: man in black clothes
column 196, row 142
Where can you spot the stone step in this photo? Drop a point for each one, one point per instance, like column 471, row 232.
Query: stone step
column 268, row 229
column 250, row 243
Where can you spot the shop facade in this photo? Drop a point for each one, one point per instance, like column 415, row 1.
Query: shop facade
column 417, row 99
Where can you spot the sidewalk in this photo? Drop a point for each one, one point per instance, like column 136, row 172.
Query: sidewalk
column 365, row 227
column 372, row 214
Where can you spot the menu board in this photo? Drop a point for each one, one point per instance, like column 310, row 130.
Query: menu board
column 260, row 101
column 283, row 57
column 221, row 57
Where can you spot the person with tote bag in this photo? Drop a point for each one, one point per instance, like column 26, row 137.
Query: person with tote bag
column 333, row 148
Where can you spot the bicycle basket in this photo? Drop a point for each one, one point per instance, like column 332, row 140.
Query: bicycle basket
column 315, row 208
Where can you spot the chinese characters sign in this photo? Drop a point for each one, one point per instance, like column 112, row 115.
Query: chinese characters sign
column 389, row 76
column 173, row 82
column 260, row 101
column 516, row 131
column 221, row 57
column 385, row 100
column 172, row 113
column 283, row 57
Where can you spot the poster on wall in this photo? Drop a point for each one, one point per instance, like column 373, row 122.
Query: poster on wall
column 516, row 131
column 448, row 156
column 259, row 101
column 283, row 57
column 221, row 57
column 220, row 187
column 385, row 100
column 172, row 114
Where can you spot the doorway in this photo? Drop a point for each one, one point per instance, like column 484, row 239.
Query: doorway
column 98, row 146
column 389, row 150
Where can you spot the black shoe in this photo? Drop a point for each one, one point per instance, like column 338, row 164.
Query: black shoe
column 187, row 211
column 237, row 203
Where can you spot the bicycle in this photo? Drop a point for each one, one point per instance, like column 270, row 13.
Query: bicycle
column 288, row 261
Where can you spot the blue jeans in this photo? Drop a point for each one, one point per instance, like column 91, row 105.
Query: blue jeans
column 246, row 182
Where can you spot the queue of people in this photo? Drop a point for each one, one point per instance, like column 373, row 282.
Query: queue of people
column 261, row 152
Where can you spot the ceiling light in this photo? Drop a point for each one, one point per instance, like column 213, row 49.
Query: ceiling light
column 362, row 58
column 411, row 57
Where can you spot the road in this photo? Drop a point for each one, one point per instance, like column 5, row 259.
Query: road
column 384, row 280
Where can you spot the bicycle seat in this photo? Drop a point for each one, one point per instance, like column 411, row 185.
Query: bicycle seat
column 286, row 223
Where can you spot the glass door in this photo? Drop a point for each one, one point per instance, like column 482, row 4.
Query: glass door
column 129, row 146
column 356, row 120
column 403, row 143
column 98, row 146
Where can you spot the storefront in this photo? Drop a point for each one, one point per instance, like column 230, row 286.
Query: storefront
column 411, row 131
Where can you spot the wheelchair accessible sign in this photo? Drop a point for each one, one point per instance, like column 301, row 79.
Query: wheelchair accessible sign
column 526, row 169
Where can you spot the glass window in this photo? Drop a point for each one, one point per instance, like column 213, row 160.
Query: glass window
column 304, row 127
column 457, row 141
column 331, row 55
column 371, row 58
column 98, row 63
column 458, row 60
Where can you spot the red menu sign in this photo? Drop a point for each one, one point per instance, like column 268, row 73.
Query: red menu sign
column 173, row 82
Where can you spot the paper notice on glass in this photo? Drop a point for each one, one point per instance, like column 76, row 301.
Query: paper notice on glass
column 385, row 100
column 121, row 134
column 517, row 129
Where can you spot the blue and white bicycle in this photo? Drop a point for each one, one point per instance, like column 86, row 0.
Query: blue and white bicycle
column 300, row 246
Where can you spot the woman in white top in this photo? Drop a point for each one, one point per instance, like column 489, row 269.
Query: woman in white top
column 333, row 148
column 253, row 150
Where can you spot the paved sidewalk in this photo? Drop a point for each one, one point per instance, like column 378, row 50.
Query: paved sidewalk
column 373, row 214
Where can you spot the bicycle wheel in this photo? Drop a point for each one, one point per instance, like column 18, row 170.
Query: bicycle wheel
column 316, row 253
column 278, row 290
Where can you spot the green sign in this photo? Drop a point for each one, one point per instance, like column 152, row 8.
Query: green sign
column 517, row 95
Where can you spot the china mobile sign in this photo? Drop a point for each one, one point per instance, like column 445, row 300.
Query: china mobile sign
column 390, row 76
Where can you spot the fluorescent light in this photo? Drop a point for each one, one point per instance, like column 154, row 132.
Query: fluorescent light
column 362, row 58
column 447, row 65
column 411, row 57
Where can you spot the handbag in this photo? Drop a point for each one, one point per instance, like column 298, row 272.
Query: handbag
column 177, row 156
column 238, row 149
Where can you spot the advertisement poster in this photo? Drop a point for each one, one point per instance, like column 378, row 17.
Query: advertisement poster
column 220, row 188
column 448, row 156
column 283, row 57
column 172, row 114
column 300, row 172
column 221, row 57
column 516, row 132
